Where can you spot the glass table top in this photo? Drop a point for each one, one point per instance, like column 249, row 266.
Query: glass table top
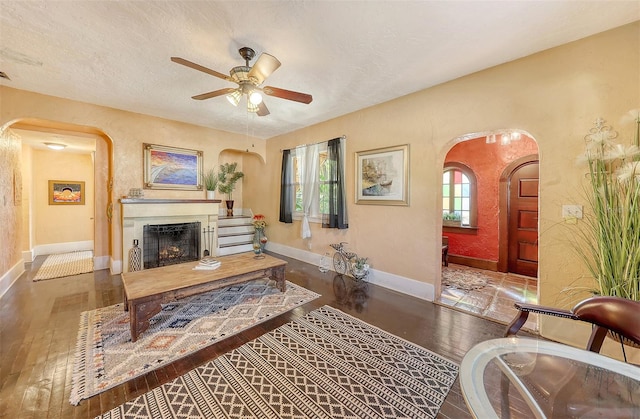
column 536, row 378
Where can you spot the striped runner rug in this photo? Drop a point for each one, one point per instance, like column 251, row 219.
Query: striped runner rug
column 65, row 264
column 327, row 364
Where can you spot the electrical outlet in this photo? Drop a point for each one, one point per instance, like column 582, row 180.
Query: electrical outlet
column 572, row 211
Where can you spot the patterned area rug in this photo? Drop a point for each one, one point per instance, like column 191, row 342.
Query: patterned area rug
column 65, row 264
column 325, row 365
column 463, row 279
column 106, row 357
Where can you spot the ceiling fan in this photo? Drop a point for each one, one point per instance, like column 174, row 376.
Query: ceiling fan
column 248, row 80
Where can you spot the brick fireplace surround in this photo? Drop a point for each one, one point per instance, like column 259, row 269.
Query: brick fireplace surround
column 136, row 213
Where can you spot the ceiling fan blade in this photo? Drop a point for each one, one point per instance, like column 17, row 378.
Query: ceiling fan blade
column 262, row 109
column 200, row 68
column 287, row 94
column 213, row 94
column 263, row 67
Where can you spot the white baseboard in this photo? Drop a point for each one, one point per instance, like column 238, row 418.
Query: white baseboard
column 27, row 256
column 53, row 248
column 388, row 280
column 8, row 279
column 101, row 262
column 115, row 266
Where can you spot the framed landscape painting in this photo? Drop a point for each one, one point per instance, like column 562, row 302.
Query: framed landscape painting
column 66, row 192
column 172, row 168
column 382, row 176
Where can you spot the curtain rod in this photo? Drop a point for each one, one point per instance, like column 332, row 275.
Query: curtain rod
column 344, row 137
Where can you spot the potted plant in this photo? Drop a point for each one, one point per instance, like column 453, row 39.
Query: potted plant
column 360, row 267
column 608, row 239
column 228, row 176
column 210, row 181
column 451, row 219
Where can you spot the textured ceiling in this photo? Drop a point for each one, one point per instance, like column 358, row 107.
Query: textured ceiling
column 348, row 54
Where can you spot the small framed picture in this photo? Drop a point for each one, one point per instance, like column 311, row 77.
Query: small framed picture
column 172, row 168
column 66, row 192
column 382, row 176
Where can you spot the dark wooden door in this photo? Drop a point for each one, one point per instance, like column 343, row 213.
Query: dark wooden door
column 523, row 220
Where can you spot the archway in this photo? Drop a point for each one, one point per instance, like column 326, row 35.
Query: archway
column 103, row 226
column 479, row 247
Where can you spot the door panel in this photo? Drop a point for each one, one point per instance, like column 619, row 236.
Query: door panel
column 523, row 220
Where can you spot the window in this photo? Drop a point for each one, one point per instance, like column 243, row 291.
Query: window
column 459, row 194
column 320, row 200
column 312, row 185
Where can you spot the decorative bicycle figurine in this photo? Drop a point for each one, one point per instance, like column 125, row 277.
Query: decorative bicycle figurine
column 342, row 261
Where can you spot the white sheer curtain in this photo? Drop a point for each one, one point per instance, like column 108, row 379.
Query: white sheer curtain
column 309, row 156
column 301, row 175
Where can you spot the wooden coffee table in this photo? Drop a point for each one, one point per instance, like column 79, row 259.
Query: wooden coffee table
column 146, row 290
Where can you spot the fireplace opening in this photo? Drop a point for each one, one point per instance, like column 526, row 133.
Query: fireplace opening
column 169, row 244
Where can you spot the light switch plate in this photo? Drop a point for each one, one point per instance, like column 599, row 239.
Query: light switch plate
column 572, row 211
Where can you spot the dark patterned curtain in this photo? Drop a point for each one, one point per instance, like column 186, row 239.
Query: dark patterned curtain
column 286, row 189
column 337, row 216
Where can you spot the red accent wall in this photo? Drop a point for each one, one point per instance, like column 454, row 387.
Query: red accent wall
column 488, row 162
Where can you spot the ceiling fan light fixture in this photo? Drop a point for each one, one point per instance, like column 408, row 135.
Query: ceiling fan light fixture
column 255, row 97
column 248, row 79
column 240, row 73
column 234, row 97
column 56, row 146
column 251, row 107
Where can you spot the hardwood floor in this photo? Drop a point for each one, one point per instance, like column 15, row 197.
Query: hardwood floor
column 39, row 324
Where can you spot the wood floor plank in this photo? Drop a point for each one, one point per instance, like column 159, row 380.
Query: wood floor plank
column 39, row 325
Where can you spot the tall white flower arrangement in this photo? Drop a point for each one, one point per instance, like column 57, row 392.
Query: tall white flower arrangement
column 609, row 241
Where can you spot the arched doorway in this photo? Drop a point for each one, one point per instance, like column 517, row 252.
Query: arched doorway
column 103, row 169
column 479, row 249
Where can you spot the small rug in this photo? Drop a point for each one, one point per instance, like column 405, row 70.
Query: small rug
column 65, row 264
column 324, row 365
column 463, row 279
column 106, row 357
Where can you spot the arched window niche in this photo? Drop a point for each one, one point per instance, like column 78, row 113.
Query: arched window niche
column 459, row 197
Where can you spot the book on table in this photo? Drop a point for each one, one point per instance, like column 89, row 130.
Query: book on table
column 207, row 264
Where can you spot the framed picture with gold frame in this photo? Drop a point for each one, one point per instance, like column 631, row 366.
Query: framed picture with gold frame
column 66, row 192
column 172, row 168
column 382, row 176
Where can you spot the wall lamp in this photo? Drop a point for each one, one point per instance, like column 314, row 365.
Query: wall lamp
column 56, row 146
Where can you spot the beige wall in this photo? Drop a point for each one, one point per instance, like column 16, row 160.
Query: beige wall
column 62, row 223
column 128, row 131
column 10, row 210
column 28, row 233
column 554, row 96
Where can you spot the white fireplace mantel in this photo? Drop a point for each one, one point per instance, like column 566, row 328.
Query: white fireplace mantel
column 136, row 213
